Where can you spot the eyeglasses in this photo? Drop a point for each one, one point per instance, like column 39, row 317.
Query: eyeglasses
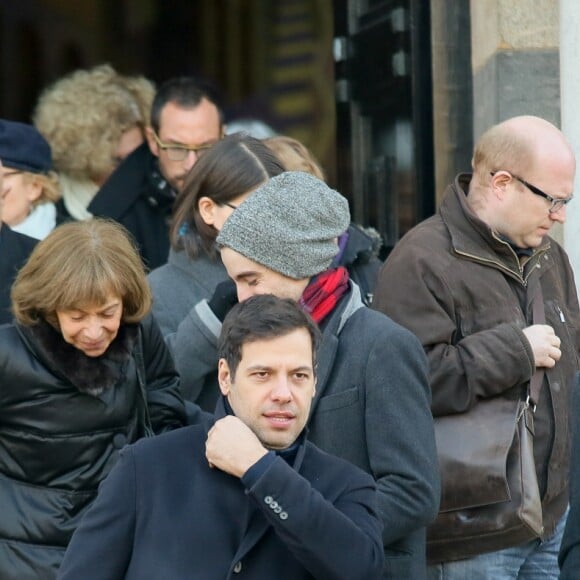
column 180, row 152
column 230, row 205
column 556, row 204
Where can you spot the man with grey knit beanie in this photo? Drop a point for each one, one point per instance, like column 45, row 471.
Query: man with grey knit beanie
column 274, row 229
column 372, row 402
column 289, row 226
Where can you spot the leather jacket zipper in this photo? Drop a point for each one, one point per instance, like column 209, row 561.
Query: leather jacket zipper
column 499, row 265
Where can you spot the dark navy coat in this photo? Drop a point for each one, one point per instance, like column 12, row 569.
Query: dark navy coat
column 163, row 513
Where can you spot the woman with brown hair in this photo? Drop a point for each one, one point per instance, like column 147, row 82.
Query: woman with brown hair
column 219, row 181
column 83, row 372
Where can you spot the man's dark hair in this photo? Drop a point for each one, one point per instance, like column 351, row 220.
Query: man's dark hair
column 260, row 318
column 187, row 92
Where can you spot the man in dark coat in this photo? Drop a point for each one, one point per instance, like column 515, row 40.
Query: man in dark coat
column 250, row 495
column 464, row 281
column 14, row 251
column 186, row 118
column 372, row 398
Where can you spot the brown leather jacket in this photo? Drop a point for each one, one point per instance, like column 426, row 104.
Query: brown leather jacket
column 463, row 291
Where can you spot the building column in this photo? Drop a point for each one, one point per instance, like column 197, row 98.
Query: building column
column 515, row 60
column 452, row 90
column 570, row 89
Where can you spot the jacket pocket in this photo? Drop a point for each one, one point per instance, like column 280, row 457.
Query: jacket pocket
column 563, row 328
column 338, row 400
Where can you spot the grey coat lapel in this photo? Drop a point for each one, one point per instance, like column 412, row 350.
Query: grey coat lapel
column 325, row 362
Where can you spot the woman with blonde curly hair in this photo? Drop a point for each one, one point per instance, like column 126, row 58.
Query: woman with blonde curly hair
column 30, row 187
column 83, row 371
column 92, row 120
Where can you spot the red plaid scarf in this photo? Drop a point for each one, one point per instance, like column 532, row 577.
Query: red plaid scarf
column 324, row 292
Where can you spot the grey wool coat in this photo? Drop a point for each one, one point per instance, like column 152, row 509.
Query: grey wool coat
column 372, row 407
column 177, row 288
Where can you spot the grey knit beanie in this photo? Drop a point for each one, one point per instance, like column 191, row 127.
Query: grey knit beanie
column 289, row 225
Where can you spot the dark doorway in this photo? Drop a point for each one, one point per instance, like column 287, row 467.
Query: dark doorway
column 384, row 112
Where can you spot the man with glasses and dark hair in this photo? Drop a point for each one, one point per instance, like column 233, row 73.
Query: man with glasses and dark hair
column 186, row 119
column 464, row 282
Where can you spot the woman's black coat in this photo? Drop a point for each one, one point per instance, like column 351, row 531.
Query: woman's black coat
column 14, row 251
column 63, row 419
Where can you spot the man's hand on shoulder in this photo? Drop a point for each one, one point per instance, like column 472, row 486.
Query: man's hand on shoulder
column 232, row 446
column 545, row 344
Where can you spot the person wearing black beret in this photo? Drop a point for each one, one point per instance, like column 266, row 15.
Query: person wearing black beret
column 30, row 187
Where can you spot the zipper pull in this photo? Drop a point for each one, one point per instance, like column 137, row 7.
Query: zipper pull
column 562, row 318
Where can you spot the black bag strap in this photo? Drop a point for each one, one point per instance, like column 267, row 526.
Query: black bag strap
column 538, row 317
column 143, row 407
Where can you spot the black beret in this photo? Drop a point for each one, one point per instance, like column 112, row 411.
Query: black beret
column 23, row 147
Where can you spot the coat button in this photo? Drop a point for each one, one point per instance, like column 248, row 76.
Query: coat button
column 119, row 440
column 273, row 505
column 283, row 516
column 268, row 499
column 238, row 567
column 277, row 509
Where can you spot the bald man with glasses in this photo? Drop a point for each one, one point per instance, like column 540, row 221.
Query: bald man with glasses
column 556, row 203
column 464, row 281
column 186, row 120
